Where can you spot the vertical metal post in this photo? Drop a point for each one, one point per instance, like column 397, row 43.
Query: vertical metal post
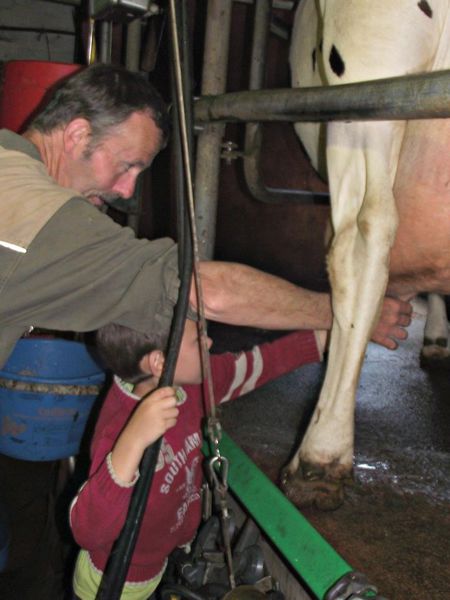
column 105, row 49
column 133, row 45
column 132, row 60
column 209, row 140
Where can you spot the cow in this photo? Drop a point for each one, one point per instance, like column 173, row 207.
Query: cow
column 389, row 185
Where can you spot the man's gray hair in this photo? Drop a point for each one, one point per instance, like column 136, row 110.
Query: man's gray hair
column 105, row 95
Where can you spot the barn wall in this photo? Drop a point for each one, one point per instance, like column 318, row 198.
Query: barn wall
column 286, row 240
column 37, row 30
column 282, row 239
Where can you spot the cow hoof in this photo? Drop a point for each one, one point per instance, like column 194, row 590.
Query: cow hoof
column 435, row 356
column 313, row 490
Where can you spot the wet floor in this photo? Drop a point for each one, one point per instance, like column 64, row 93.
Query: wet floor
column 395, row 523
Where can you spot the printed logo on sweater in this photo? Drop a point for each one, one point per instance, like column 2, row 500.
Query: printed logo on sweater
column 190, row 494
column 180, row 474
column 176, row 460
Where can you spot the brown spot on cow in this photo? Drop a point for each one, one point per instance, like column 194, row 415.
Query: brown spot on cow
column 425, row 8
column 313, row 60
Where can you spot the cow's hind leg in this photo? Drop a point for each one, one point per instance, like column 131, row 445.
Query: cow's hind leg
column 435, row 351
column 364, row 222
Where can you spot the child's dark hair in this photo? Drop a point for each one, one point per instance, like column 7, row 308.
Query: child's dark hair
column 122, row 348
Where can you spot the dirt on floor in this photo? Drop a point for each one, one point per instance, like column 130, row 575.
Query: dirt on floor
column 400, row 540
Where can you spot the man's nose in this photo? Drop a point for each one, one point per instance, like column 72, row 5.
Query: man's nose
column 124, row 186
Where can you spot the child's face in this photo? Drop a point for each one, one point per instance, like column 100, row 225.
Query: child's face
column 189, row 366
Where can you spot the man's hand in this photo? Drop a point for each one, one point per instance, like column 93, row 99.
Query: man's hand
column 394, row 317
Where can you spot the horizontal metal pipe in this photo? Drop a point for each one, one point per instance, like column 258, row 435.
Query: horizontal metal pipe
column 422, row 96
column 71, row 2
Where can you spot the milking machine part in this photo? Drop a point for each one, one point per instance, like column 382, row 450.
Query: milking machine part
column 245, row 592
column 118, row 563
column 178, row 591
column 353, row 586
column 241, row 592
column 202, row 574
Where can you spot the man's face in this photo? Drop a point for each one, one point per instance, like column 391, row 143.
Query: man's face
column 189, row 366
column 110, row 169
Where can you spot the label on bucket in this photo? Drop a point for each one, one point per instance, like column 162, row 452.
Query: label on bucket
column 42, row 426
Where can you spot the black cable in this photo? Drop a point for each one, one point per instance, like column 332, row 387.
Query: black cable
column 119, row 560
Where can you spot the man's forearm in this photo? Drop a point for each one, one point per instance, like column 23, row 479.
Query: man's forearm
column 241, row 295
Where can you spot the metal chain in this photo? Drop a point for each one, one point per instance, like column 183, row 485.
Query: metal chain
column 218, row 464
column 217, row 467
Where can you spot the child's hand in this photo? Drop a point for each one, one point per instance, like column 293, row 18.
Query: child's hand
column 153, row 416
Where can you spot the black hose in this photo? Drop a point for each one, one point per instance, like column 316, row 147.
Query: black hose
column 119, row 560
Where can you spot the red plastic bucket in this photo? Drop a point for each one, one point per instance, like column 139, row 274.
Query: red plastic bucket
column 25, row 83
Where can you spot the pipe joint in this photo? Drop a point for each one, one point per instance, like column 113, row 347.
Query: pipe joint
column 353, row 586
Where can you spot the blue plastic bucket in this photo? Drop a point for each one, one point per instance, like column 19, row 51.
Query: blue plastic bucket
column 47, row 389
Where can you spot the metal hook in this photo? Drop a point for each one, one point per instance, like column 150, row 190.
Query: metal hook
column 218, row 469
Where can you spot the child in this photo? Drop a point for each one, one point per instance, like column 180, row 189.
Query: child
column 127, row 426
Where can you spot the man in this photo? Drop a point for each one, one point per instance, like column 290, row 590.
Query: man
column 66, row 266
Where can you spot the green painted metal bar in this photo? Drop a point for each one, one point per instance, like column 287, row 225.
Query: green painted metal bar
column 317, row 563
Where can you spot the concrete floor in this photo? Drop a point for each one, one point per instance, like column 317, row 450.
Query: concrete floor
column 395, row 523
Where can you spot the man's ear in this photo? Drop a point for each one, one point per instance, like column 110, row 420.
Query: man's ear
column 76, row 136
column 152, row 363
